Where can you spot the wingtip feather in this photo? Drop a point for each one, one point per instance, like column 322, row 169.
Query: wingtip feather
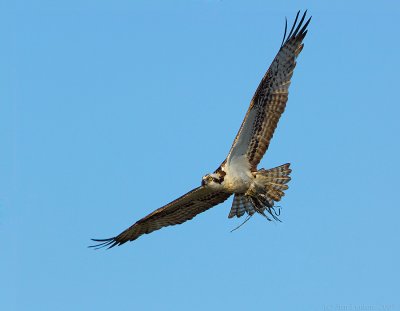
column 298, row 30
column 102, row 243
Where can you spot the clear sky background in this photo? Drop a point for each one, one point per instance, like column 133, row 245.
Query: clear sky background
column 110, row 109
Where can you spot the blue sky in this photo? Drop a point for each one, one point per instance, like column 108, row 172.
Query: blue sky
column 110, row 109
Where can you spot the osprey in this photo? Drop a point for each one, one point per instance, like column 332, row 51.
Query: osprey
column 255, row 190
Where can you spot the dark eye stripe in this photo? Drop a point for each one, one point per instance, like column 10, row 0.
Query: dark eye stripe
column 218, row 180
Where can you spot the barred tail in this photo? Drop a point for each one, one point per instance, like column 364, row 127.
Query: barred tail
column 268, row 188
column 240, row 205
column 275, row 181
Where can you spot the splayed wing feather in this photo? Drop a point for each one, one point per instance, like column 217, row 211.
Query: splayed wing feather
column 176, row 212
column 269, row 100
column 249, row 146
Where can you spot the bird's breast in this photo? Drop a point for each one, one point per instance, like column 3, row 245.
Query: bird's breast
column 238, row 178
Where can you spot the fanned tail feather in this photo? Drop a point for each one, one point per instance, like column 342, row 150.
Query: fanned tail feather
column 268, row 188
column 241, row 204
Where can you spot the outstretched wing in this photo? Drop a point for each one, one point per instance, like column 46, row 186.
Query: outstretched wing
column 182, row 209
column 269, row 100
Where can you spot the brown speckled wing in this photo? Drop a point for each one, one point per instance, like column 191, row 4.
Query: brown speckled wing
column 269, row 100
column 182, row 209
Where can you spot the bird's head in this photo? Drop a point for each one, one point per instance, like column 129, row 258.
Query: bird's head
column 211, row 180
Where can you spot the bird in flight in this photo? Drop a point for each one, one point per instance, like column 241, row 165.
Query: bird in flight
column 254, row 190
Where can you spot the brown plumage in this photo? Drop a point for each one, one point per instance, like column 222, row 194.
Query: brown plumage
column 178, row 211
column 255, row 190
column 270, row 98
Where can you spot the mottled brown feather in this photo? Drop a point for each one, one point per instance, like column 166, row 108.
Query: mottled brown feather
column 178, row 211
column 269, row 100
column 252, row 140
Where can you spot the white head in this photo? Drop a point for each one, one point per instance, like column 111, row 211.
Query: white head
column 212, row 180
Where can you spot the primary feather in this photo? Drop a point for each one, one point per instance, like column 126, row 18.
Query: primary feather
column 255, row 190
column 269, row 100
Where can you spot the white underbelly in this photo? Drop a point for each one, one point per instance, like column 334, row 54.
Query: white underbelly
column 238, row 176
